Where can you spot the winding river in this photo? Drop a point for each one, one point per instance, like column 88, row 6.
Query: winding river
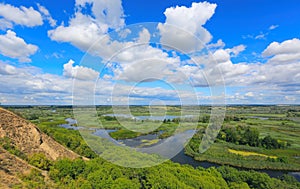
column 181, row 157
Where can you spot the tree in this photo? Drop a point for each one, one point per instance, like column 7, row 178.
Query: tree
column 270, row 143
column 231, row 135
column 239, row 185
column 251, row 137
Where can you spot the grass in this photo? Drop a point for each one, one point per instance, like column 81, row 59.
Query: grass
column 267, row 115
column 246, row 153
column 149, row 142
column 124, row 134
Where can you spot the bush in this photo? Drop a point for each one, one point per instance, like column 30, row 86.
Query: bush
column 39, row 160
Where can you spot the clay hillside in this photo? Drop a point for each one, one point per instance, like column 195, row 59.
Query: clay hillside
column 11, row 167
column 27, row 138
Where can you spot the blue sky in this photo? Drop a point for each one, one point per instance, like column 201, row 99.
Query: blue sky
column 241, row 52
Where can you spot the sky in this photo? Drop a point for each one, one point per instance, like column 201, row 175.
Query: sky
column 149, row 52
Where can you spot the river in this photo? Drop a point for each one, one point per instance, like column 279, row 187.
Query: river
column 181, row 157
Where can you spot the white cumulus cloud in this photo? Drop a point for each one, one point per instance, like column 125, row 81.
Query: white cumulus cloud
column 22, row 16
column 286, row 51
column 15, row 47
column 83, row 29
column 189, row 22
column 79, row 72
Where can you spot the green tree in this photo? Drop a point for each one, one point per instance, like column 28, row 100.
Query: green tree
column 251, row 137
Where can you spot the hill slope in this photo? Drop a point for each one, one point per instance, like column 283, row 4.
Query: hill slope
column 10, row 167
column 29, row 139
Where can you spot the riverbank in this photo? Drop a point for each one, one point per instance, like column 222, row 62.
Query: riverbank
column 183, row 158
column 220, row 153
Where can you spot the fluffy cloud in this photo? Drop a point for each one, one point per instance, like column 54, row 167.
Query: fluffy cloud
column 221, row 56
column 83, row 30
column 183, row 24
column 22, row 16
column 138, row 61
column 216, row 69
column 287, row 51
column 79, row 72
column 15, row 47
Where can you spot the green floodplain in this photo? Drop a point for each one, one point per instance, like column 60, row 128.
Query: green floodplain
column 260, row 137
